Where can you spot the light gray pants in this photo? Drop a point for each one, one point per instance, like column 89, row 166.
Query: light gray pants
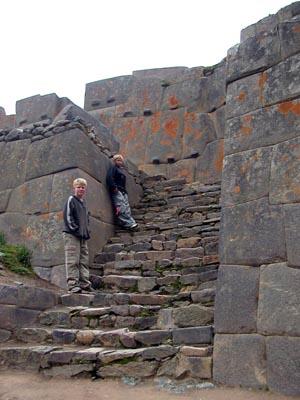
column 124, row 217
column 77, row 261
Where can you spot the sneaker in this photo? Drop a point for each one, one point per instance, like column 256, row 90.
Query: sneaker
column 134, row 226
column 75, row 289
column 88, row 289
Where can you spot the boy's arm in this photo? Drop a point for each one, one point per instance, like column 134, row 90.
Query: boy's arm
column 69, row 215
column 110, row 179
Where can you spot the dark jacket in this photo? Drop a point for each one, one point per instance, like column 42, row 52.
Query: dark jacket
column 76, row 218
column 116, row 179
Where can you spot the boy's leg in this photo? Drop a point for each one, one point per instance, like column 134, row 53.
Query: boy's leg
column 124, row 217
column 84, row 274
column 72, row 254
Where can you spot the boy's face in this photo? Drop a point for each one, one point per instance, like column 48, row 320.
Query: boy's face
column 119, row 162
column 79, row 191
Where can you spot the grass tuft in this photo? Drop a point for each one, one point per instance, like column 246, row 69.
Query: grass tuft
column 17, row 258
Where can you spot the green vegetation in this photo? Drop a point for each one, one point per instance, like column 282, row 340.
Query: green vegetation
column 17, row 258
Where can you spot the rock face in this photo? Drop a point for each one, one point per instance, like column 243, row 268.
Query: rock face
column 56, row 142
column 169, row 121
column 257, row 300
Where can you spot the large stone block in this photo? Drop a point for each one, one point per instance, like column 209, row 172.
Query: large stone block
column 105, row 115
column 282, row 82
column 219, row 121
column 292, row 233
column 145, row 97
column 246, row 176
column 240, row 360
column 181, row 169
column 71, row 149
column 182, row 94
column 132, row 134
column 236, row 299
column 8, row 294
column 289, row 33
column 8, row 317
column 283, row 372
column 36, row 298
column 213, row 90
column 210, row 164
column 13, row 225
column 31, row 197
column 266, row 24
column 252, row 55
column 4, row 197
column 102, row 133
column 192, row 315
column 244, row 95
column 100, row 233
column 43, row 235
column 279, row 301
column 37, row 108
column 263, row 127
column 13, row 156
column 166, row 75
column 198, row 131
column 58, row 276
column 285, row 172
column 107, row 92
column 165, row 136
column 289, row 11
column 245, row 234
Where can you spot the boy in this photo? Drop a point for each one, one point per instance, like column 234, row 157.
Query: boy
column 116, row 182
column 76, row 234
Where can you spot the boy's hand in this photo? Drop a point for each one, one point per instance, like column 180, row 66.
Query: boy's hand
column 118, row 209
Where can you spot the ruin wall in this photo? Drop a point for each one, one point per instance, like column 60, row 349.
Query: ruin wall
column 52, row 143
column 168, row 121
column 257, row 314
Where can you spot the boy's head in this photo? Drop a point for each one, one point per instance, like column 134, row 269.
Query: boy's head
column 79, row 186
column 118, row 160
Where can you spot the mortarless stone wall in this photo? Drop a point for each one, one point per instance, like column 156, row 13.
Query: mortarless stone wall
column 52, row 143
column 168, row 121
column 257, row 316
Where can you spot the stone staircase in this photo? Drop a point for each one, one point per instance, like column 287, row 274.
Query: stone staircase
column 153, row 313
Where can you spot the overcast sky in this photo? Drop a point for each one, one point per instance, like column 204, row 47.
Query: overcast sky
column 60, row 45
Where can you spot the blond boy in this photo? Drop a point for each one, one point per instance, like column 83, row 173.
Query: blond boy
column 76, row 234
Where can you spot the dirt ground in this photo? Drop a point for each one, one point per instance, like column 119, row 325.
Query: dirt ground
column 28, row 386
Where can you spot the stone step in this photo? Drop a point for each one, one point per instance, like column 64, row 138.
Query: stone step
column 119, row 337
column 145, row 362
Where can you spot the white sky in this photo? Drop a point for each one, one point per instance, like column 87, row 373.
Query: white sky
column 60, row 45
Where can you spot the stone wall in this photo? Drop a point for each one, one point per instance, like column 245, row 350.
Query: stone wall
column 168, row 121
column 257, row 316
column 40, row 159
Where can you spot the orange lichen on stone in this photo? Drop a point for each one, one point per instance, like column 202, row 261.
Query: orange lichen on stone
column 146, row 99
column 241, row 97
column 173, row 101
column 24, row 190
column 261, row 84
column 45, row 216
column 296, row 28
column 155, row 123
column 289, row 107
column 218, row 164
column 59, row 216
column 171, row 127
column 245, row 128
column 237, row 189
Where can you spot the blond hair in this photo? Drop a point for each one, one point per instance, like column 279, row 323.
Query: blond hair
column 79, row 182
column 118, row 157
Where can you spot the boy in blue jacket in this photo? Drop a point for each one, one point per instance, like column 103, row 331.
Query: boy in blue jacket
column 76, row 234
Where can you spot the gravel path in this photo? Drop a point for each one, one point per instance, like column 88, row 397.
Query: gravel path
column 26, row 386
